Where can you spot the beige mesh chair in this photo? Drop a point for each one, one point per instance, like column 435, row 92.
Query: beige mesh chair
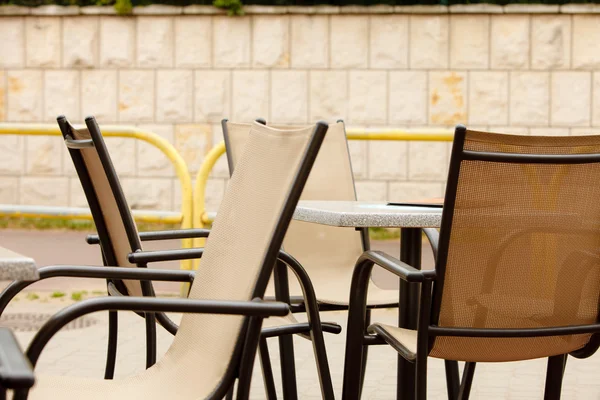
column 209, row 351
column 517, row 272
column 326, row 253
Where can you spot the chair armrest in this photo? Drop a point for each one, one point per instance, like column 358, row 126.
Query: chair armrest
column 433, row 235
column 144, row 257
column 161, row 235
column 395, row 266
column 15, row 369
column 255, row 308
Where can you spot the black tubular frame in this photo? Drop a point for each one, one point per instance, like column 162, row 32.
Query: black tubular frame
column 432, row 283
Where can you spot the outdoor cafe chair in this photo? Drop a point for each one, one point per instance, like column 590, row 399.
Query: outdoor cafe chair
column 327, row 253
column 517, row 273
column 236, row 267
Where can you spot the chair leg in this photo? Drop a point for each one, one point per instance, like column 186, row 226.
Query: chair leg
column 288, row 367
column 150, row 339
column 421, row 378
column 111, row 352
column 267, row 371
column 452, row 379
column 230, row 393
column 467, row 381
column 554, row 376
column 365, row 353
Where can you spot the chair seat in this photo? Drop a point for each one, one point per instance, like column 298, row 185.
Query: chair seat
column 402, row 340
column 335, row 290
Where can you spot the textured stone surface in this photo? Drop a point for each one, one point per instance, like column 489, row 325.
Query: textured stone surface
column 447, row 98
column 408, row 97
column 250, row 95
column 3, row 95
column 24, row 96
column 428, row 41
column 80, row 42
column 469, row 41
column 371, row 190
column 550, row 42
column 549, row 131
column 136, row 95
column 289, row 96
column 389, row 41
column 117, row 41
column 174, row 90
column 349, row 41
column 270, row 41
column 43, row 155
column 99, row 94
column 488, row 98
column 215, row 189
column 510, row 42
column 310, row 47
column 9, row 190
column 123, row 154
column 427, row 161
column 61, row 94
column 11, row 155
column 192, row 141
column 586, row 41
column 388, row 160
column 212, row 95
column 44, row 191
column 368, row 97
column 151, row 162
column 571, row 98
column 328, row 95
column 149, row 194
column 155, row 42
column 529, row 98
column 231, row 42
column 42, row 36
column 596, row 99
column 193, row 42
column 414, row 191
column 12, row 51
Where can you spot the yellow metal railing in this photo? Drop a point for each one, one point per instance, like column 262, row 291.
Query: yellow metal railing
column 133, row 133
column 201, row 216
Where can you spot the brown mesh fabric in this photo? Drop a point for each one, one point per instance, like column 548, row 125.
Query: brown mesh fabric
column 524, row 249
column 110, row 211
column 327, row 253
column 202, row 349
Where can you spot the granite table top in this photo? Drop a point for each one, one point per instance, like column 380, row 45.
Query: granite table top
column 14, row 266
column 367, row 214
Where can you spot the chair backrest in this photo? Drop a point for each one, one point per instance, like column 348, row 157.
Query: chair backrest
column 519, row 244
column 245, row 240
column 113, row 219
column 330, row 179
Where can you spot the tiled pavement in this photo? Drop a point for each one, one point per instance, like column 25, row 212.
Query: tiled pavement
column 81, row 352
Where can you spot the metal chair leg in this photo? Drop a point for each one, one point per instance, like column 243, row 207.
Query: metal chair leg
column 421, row 377
column 150, row 339
column 288, row 367
column 554, row 376
column 452, row 379
column 467, row 381
column 111, row 352
column 230, row 394
column 365, row 353
column 265, row 363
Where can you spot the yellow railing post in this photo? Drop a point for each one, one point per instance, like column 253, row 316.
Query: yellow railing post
column 135, row 133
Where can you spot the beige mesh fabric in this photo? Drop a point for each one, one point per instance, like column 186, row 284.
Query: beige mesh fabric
column 327, row 253
column 110, row 211
column 524, row 249
column 232, row 260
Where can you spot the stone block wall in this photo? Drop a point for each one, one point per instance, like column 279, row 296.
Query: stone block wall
column 178, row 71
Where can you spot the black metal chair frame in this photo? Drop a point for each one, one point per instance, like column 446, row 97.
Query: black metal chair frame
column 152, row 308
column 431, row 287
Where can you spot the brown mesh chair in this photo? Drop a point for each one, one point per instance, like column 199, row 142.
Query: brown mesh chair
column 327, row 253
column 517, row 272
column 209, row 351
